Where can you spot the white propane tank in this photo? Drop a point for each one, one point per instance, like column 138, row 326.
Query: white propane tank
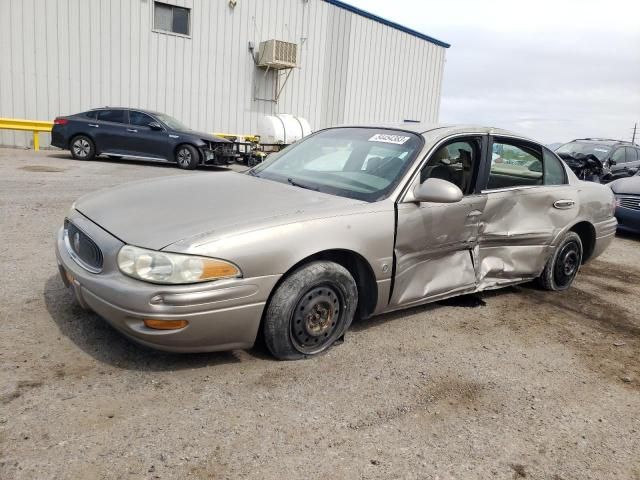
column 283, row 128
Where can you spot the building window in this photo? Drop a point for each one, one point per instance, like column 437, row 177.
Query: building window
column 169, row 18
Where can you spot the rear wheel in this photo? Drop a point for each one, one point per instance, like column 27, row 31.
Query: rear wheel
column 82, row 148
column 187, row 157
column 310, row 310
column 563, row 266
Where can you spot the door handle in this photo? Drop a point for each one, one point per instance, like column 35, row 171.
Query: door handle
column 132, row 130
column 563, row 204
column 94, row 125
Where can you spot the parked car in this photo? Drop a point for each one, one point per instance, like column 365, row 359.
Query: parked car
column 627, row 195
column 348, row 222
column 139, row 134
column 617, row 158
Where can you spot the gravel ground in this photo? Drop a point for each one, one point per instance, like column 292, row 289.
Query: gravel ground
column 517, row 383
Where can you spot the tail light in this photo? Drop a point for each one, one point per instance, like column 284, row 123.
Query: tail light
column 60, row 121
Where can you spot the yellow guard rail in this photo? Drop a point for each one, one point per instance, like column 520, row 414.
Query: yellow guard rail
column 35, row 126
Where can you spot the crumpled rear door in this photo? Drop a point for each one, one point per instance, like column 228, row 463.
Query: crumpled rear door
column 517, row 229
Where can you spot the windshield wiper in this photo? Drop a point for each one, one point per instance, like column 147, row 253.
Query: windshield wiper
column 296, row 184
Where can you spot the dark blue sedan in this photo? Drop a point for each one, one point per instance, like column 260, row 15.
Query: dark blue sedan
column 627, row 194
column 140, row 134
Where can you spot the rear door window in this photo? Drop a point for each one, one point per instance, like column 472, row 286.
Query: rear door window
column 554, row 173
column 115, row 116
column 516, row 164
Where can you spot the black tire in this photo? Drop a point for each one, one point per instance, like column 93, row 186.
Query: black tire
column 82, row 148
column 187, row 157
column 563, row 266
column 311, row 309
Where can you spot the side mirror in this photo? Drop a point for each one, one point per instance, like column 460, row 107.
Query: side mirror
column 436, row 190
column 155, row 126
column 612, row 162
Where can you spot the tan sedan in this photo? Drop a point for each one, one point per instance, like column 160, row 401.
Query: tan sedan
column 350, row 221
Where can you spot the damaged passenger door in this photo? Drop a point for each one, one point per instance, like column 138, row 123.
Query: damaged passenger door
column 435, row 241
column 528, row 204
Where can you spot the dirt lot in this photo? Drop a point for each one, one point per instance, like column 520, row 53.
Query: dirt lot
column 512, row 384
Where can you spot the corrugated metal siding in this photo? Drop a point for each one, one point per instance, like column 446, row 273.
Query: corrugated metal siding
column 65, row 56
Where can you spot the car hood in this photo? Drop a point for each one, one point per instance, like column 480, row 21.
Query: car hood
column 206, row 136
column 628, row 185
column 157, row 213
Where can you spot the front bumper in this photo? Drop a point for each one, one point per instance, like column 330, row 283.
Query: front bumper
column 219, row 154
column 222, row 315
column 628, row 219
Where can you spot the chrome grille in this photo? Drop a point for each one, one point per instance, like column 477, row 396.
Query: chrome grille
column 632, row 203
column 82, row 249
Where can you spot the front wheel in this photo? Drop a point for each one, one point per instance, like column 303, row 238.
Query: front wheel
column 310, row 310
column 187, row 157
column 563, row 266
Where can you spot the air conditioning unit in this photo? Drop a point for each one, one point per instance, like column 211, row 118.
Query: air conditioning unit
column 277, row 54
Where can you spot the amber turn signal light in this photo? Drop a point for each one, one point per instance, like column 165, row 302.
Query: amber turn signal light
column 165, row 324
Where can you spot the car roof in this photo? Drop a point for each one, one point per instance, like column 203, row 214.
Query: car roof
column 150, row 112
column 603, row 141
column 441, row 129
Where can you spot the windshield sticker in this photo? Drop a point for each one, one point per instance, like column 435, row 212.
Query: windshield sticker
column 601, row 150
column 385, row 138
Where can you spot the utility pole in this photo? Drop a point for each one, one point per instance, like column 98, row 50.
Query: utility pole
column 635, row 127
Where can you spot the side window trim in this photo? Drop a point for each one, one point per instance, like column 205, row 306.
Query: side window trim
column 565, row 179
column 477, row 141
column 488, row 162
column 125, row 116
column 412, row 177
column 129, row 112
column 624, row 155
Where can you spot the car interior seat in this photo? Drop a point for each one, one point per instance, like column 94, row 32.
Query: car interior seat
column 373, row 164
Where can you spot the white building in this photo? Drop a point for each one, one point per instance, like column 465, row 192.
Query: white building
column 197, row 60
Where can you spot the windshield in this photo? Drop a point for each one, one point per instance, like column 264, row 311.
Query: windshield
column 574, row 148
column 171, row 122
column 361, row 163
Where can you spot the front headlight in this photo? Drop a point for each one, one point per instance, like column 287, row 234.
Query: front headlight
column 172, row 268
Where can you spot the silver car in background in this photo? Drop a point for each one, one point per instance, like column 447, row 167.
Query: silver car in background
column 348, row 222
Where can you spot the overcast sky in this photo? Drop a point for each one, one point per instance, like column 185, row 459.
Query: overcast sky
column 550, row 69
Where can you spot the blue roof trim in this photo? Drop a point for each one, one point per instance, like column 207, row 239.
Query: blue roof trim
column 386, row 22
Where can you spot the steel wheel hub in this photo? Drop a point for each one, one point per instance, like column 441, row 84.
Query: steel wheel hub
column 81, row 148
column 316, row 319
column 567, row 264
column 570, row 262
column 184, row 156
